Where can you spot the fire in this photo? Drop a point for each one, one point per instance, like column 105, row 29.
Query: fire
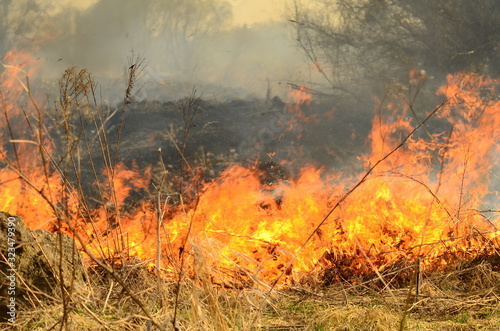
column 403, row 211
column 301, row 96
column 422, row 201
column 21, row 145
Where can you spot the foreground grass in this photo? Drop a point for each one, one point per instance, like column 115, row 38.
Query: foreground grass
column 455, row 300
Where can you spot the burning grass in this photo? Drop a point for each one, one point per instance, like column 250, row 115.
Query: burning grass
column 411, row 242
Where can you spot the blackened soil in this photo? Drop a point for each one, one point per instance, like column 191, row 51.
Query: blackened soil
column 207, row 136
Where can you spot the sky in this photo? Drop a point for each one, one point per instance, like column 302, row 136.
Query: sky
column 245, row 12
column 256, row 11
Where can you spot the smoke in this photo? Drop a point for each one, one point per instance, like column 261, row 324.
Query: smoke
column 189, row 43
column 185, row 44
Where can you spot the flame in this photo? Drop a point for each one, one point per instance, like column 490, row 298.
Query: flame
column 23, row 182
column 301, row 96
column 405, row 210
column 423, row 201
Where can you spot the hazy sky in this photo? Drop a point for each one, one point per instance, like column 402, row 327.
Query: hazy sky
column 255, row 11
column 253, row 59
column 244, row 11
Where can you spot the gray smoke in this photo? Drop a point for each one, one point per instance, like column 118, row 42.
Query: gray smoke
column 184, row 43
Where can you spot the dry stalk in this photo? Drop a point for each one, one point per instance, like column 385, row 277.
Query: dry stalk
column 410, row 298
column 107, row 297
column 386, row 286
column 180, row 151
column 135, row 69
column 182, row 254
column 160, row 214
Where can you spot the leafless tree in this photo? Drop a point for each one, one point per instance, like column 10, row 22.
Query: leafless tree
column 354, row 43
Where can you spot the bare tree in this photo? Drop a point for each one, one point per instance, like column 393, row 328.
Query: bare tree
column 180, row 26
column 459, row 34
column 354, row 43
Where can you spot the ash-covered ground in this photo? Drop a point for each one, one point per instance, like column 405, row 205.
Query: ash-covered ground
column 208, row 136
column 215, row 134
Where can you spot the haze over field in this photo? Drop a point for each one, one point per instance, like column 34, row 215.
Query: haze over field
column 239, row 46
column 354, row 49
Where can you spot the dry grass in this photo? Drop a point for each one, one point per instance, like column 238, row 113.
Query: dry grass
column 455, row 300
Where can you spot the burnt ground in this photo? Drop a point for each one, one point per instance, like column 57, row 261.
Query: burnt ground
column 240, row 131
column 211, row 135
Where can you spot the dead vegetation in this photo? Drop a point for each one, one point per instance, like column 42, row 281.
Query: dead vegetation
column 453, row 300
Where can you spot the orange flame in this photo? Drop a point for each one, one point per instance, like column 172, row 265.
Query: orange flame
column 19, row 195
column 301, row 96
